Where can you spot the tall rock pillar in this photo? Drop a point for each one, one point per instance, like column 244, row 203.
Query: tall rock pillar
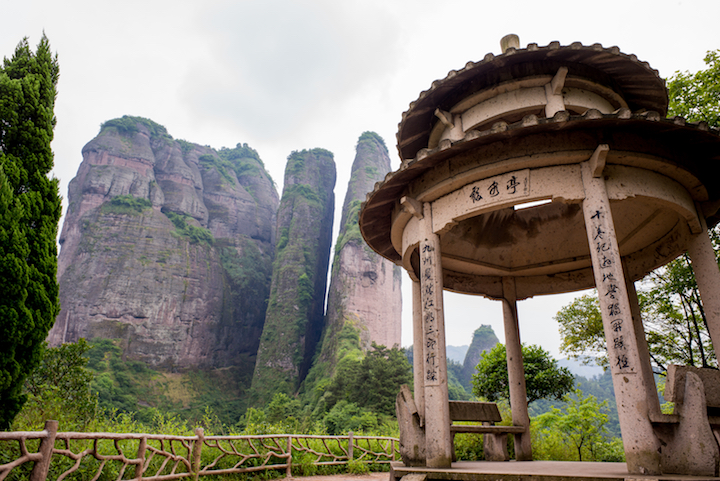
column 364, row 295
column 365, row 287
column 294, row 318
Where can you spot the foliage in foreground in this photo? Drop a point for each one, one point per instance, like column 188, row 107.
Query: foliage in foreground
column 695, row 96
column 543, row 377
column 64, row 381
column 674, row 319
column 59, row 389
column 29, row 215
column 577, row 432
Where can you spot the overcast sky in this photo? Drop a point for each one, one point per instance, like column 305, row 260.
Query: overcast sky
column 287, row 75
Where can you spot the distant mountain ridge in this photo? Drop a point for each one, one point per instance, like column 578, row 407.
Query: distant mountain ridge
column 576, row 366
column 579, row 368
column 457, row 353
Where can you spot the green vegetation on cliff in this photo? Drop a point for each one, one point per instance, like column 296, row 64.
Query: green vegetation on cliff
column 195, row 234
column 483, row 340
column 354, row 390
column 242, row 161
column 128, row 125
column 372, row 136
column 125, row 204
column 130, row 386
column 294, row 316
column 305, row 191
column 245, row 161
column 350, row 231
column 296, row 160
column 343, row 344
column 371, row 382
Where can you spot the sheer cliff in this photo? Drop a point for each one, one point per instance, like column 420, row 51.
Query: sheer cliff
column 294, row 319
column 484, row 339
column 364, row 299
column 365, row 288
column 167, row 246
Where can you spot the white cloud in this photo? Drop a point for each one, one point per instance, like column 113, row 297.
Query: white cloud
column 285, row 75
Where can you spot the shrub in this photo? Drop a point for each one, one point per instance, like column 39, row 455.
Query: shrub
column 126, row 204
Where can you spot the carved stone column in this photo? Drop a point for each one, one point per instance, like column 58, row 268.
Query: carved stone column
column 516, row 371
column 645, row 365
column 437, row 409
column 707, row 275
column 641, row 444
column 418, row 353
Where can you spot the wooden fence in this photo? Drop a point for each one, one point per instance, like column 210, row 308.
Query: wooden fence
column 152, row 457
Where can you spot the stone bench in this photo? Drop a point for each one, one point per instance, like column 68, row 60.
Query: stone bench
column 495, row 445
column 689, row 437
column 675, row 388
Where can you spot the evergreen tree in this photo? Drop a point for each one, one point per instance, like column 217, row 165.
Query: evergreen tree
column 29, row 215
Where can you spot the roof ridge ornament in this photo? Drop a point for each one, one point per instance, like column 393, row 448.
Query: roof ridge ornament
column 509, row 41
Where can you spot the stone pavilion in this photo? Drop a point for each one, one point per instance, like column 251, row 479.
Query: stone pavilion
column 546, row 170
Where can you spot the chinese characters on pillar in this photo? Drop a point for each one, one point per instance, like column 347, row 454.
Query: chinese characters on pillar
column 614, row 305
column 428, row 297
column 499, row 188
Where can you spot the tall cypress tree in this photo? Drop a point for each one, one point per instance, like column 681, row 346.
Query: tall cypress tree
column 29, row 214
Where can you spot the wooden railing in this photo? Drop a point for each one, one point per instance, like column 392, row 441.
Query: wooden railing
column 152, row 457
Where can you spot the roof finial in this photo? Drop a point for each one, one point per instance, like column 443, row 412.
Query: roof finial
column 509, row 41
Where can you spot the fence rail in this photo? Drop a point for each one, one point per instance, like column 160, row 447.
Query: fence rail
column 153, row 457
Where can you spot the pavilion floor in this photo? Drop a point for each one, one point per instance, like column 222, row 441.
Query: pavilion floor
column 534, row 471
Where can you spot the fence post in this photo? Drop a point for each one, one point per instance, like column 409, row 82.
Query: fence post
column 392, row 448
column 140, row 468
column 197, row 450
column 288, row 469
column 351, row 451
column 47, row 444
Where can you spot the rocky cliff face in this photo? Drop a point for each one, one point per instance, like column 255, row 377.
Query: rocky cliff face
column 365, row 287
column 294, row 319
column 364, row 299
column 484, row 339
column 168, row 246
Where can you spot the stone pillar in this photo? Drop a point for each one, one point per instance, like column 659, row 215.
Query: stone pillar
column 418, row 353
column 516, row 371
column 438, row 447
column 643, row 352
column 707, row 275
column 641, row 444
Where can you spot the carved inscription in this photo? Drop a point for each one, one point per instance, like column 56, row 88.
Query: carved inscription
column 614, row 306
column 428, row 297
column 499, row 188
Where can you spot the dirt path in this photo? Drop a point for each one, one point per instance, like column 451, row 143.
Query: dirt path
column 343, row 477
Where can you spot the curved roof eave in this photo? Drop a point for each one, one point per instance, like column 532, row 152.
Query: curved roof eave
column 376, row 212
column 639, row 84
